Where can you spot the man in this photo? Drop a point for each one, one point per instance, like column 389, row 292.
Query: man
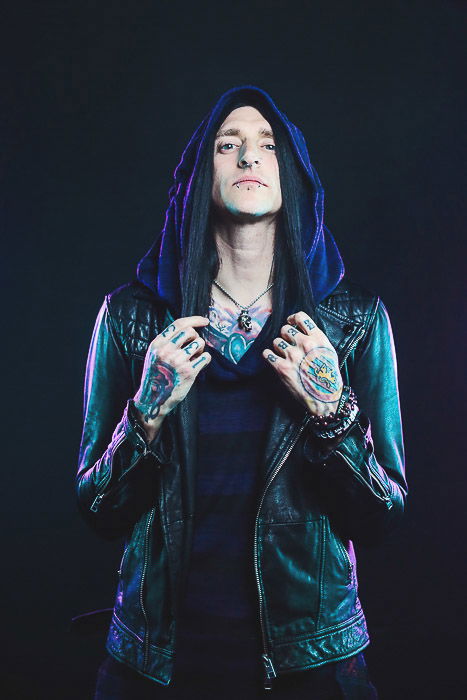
column 241, row 429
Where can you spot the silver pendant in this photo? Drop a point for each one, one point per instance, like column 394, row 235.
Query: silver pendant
column 244, row 320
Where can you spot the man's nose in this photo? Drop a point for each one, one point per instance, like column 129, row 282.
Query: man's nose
column 249, row 156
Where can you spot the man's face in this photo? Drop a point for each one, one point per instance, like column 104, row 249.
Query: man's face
column 246, row 173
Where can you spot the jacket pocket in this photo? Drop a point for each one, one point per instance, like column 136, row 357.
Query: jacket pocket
column 340, row 581
column 292, row 561
column 348, row 566
column 127, row 603
column 132, row 542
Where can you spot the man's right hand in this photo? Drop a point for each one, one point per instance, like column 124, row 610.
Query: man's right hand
column 173, row 361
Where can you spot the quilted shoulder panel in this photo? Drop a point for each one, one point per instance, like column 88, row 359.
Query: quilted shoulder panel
column 351, row 301
column 134, row 311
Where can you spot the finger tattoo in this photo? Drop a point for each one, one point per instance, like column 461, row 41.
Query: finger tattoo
column 191, row 347
column 272, row 358
column 309, row 324
column 201, row 359
column 169, row 329
column 178, row 336
column 282, row 345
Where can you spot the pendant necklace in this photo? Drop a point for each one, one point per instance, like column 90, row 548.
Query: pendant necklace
column 244, row 319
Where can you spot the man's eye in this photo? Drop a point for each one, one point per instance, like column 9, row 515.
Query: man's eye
column 225, row 146
column 270, row 146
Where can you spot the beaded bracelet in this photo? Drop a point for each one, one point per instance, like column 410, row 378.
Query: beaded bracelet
column 346, row 405
column 337, row 430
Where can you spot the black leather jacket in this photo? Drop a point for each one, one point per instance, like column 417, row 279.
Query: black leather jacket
column 312, row 504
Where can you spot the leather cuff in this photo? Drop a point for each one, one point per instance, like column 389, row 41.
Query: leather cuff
column 135, row 432
column 318, row 450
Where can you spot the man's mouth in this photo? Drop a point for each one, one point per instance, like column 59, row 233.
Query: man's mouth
column 252, row 181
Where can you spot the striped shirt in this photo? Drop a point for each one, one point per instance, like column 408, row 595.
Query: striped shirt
column 220, row 617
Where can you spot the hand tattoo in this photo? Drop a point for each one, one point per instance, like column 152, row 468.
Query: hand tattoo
column 319, row 375
column 161, row 382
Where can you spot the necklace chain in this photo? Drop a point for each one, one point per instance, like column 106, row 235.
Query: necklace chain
column 242, row 306
column 244, row 319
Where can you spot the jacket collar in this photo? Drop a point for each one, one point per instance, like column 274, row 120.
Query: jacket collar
column 342, row 331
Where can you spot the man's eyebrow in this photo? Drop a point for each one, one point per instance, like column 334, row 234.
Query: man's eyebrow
column 236, row 132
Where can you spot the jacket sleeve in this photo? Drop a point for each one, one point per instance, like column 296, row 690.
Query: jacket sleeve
column 363, row 476
column 118, row 470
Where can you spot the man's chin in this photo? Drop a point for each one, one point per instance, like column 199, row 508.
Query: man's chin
column 248, row 214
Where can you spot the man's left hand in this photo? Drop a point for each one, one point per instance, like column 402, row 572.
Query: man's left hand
column 306, row 362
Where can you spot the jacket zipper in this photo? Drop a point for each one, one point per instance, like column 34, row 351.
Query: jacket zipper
column 269, row 671
column 385, row 497
column 97, row 501
column 103, row 485
column 359, row 335
column 141, row 587
column 382, row 486
column 120, row 568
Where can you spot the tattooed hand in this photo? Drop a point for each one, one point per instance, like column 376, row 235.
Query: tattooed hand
column 173, row 361
column 306, row 362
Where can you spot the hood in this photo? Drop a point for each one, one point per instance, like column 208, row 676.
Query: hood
column 160, row 267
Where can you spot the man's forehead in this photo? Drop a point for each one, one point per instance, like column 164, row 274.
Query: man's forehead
column 244, row 117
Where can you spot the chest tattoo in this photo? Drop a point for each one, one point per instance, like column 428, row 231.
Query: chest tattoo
column 224, row 334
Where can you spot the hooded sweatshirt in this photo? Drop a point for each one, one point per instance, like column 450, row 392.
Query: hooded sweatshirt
column 220, row 613
column 160, row 267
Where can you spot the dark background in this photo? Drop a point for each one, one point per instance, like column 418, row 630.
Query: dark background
column 98, row 101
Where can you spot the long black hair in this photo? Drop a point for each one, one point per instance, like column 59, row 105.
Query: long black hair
column 292, row 288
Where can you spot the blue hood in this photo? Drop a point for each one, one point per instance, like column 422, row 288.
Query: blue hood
column 160, row 268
